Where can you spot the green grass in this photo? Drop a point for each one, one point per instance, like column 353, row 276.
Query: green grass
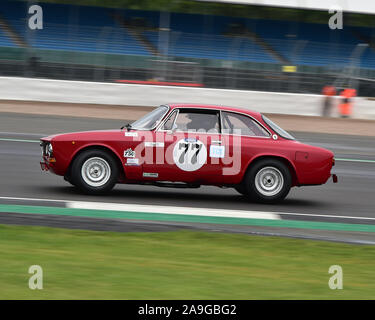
column 178, row 265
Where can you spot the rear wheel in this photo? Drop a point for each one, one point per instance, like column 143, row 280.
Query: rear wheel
column 268, row 181
column 94, row 171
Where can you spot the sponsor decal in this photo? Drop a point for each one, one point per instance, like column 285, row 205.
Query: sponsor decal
column 190, row 140
column 129, row 153
column 132, row 162
column 189, row 156
column 154, row 144
column 217, row 151
column 131, row 134
column 150, row 175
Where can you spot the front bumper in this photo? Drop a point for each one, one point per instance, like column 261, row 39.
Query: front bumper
column 44, row 166
column 47, row 164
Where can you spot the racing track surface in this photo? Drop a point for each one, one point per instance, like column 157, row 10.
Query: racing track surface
column 21, row 177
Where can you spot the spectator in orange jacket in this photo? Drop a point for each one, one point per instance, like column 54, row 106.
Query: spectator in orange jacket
column 346, row 105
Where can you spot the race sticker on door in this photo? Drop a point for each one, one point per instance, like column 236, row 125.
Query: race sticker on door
column 217, row 151
column 132, row 162
column 150, row 174
column 189, row 155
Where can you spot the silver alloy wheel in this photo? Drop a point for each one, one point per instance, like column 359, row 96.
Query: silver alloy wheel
column 269, row 181
column 96, row 172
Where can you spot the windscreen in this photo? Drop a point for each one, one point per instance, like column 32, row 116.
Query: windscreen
column 150, row 120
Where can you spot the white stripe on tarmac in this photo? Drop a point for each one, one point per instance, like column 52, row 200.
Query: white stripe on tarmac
column 355, row 160
column 18, row 140
column 37, row 141
column 22, row 134
column 324, row 216
column 32, row 199
column 207, row 212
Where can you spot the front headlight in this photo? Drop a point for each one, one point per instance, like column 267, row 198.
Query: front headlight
column 49, row 150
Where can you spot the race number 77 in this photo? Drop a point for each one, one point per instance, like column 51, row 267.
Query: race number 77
column 193, row 147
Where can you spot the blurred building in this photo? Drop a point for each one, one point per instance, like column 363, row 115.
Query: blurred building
column 273, row 49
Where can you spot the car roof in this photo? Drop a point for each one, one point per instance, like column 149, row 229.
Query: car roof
column 252, row 113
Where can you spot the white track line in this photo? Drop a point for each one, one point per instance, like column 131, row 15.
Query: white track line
column 9, row 133
column 325, row 216
column 32, row 199
column 355, row 160
column 19, row 140
column 37, row 141
column 209, row 212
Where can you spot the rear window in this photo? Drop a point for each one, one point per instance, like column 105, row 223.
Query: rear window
column 233, row 122
column 281, row 132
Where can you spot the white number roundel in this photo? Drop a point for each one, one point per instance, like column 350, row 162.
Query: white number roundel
column 189, row 154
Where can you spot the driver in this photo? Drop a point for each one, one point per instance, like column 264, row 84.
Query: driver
column 201, row 121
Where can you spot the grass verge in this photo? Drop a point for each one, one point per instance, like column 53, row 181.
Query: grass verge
column 178, row 265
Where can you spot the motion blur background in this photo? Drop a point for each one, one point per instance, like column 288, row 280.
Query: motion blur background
column 220, row 44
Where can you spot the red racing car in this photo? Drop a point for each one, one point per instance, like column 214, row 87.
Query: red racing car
column 188, row 146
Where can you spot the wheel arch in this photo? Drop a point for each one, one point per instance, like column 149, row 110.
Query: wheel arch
column 284, row 160
column 102, row 147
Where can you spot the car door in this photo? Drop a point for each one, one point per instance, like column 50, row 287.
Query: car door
column 188, row 135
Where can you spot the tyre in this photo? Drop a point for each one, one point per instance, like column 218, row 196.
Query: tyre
column 68, row 179
column 241, row 189
column 94, row 171
column 268, row 181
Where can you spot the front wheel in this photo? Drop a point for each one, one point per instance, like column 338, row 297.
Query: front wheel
column 268, row 181
column 94, row 171
column 241, row 189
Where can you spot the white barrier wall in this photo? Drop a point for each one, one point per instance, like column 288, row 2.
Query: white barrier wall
column 13, row 88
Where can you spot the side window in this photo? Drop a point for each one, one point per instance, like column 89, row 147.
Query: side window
column 169, row 123
column 198, row 121
column 234, row 123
